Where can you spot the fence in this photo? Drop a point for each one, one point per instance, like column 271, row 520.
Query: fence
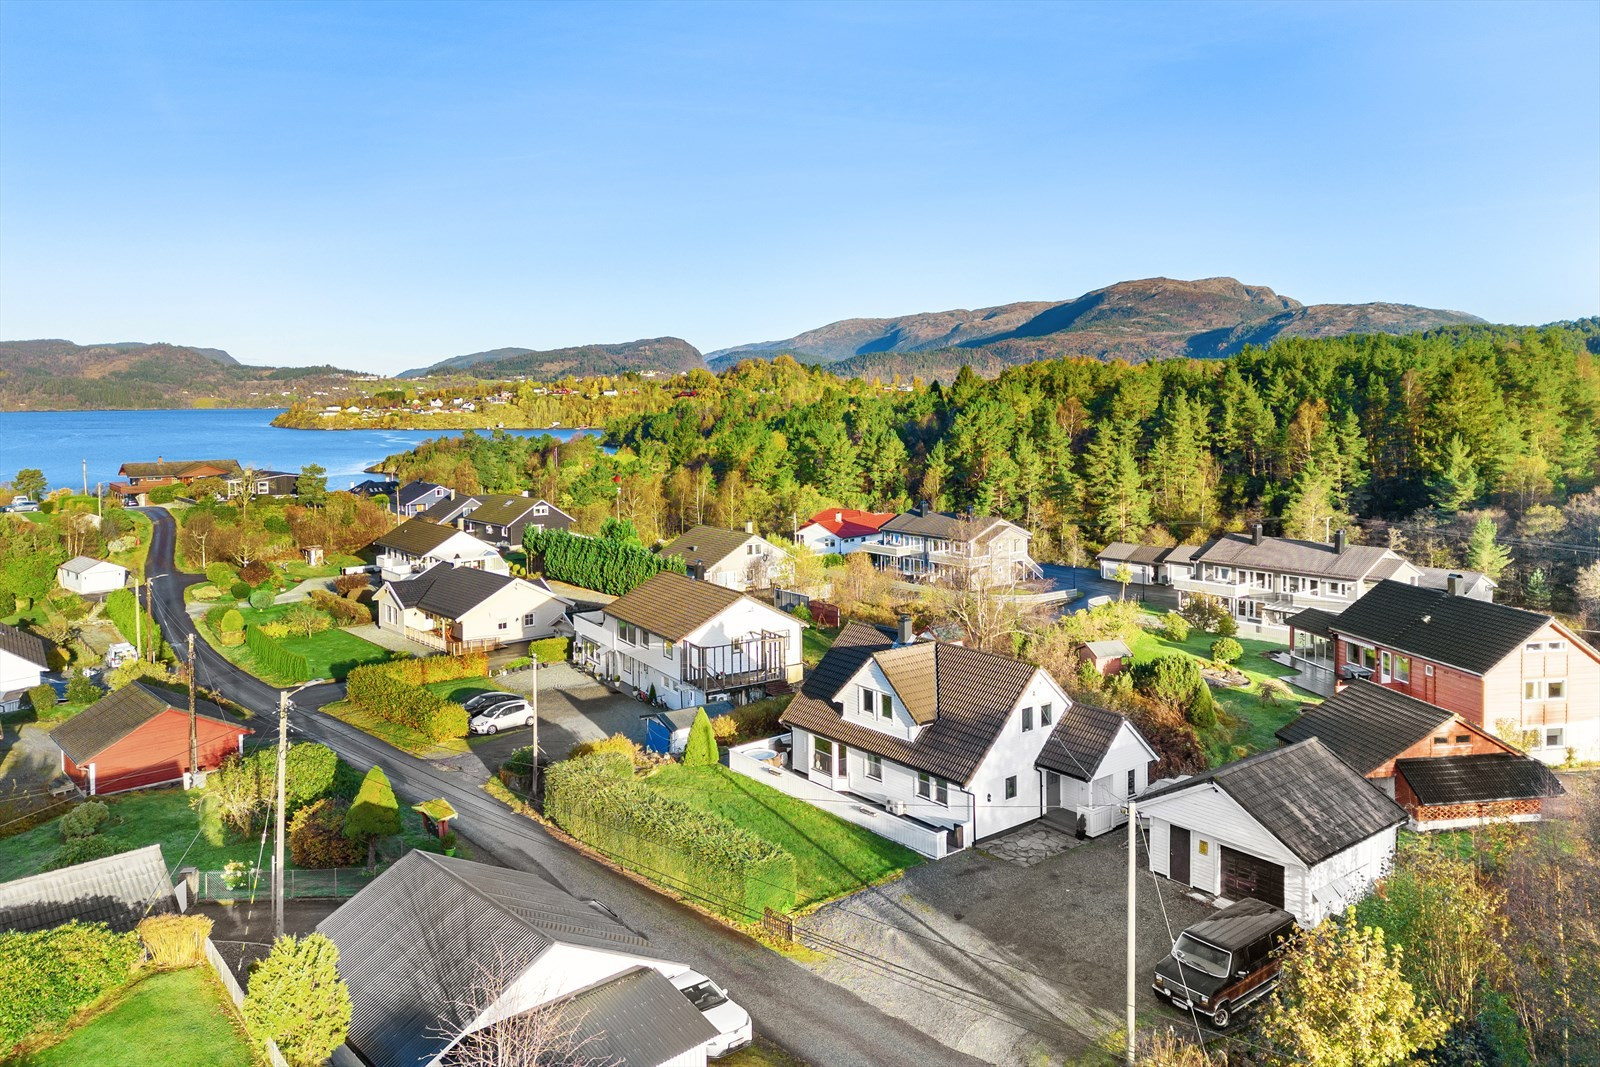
column 236, row 994
column 333, row 883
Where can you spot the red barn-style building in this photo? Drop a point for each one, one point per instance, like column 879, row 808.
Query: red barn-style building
column 137, row 737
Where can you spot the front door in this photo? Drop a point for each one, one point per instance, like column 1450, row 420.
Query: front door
column 1178, row 854
column 1052, row 789
column 1244, row 876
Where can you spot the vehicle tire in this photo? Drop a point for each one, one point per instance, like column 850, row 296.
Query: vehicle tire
column 1221, row 1016
column 491, row 729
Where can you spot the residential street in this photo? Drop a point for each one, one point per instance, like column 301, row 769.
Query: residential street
column 806, row 1014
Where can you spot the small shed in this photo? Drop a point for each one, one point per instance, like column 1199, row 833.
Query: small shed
column 667, row 732
column 138, row 737
column 87, row 576
column 1108, row 657
column 313, row 555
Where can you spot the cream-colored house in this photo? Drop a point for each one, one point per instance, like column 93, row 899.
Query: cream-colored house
column 461, row 609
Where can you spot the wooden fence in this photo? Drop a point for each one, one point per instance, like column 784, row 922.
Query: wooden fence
column 231, row 984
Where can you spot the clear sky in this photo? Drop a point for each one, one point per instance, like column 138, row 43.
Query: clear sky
column 384, row 185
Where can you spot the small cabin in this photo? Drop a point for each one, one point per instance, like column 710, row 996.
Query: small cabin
column 1108, row 657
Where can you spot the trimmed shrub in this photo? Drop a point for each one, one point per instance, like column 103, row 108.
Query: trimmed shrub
column 551, row 649
column 701, row 751
column 240, row 590
column 316, row 836
column 344, row 612
column 1203, row 708
column 289, row 666
column 120, row 608
column 375, row 813
column 615, row 745
column 759, row 718
column 84, row 820
column 50, row 975
column 41, row 698
column 81, row 689
column 377, row 688
column 1175, row 627
column 1171, row 681
column 255, row 572
column 603, row 564
column 82, row 850
column 1227, row 650
column 1227, row 626
column 351, row 585
column 206, row 593
column 175, row 941
column 698, row 853
column 416, row 671
column 262, row 599
column 221, row 575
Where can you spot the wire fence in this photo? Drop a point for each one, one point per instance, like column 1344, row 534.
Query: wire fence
column 330, row 884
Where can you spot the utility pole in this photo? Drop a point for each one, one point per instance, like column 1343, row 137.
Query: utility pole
column 533, row 771
column 277, row 847
column 100, row 499
column 86, row 477
column 1133, row 856
column 138, row 643
column 194, row 733
column 150, row 606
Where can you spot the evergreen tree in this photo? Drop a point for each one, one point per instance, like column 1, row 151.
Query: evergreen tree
column 30, row 483
column 298, row 999
column 1484, row 553
column 1457, row 484
column 1120, row 502
column 1536, row 590
column 311, row 487
column 701, row 751
column 375, row 813
column 1313, row 510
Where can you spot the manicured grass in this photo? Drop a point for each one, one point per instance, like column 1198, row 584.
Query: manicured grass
column 171, row 1017
column 333, row 653
column 815, row 642
column 832, row 856
column 395, row 734
column 332, row 567
column 462, row 689
column 1244, row 724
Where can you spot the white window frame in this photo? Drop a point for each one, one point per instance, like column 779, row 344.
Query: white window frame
column 1535, row 690
column 1027, row 718
column 931, row 787
column 1046, row 714
column 872, row 766
column 1011, row 787
column 530, row 618
column 1559, row 732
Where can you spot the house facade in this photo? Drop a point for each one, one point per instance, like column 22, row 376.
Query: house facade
column 263, row 483
column 1502, row 669
column 416, row 545
column 140, row 478
column 497, row 518
column 462, row 609
column 1294, row 827
column 135, row 737
column 413, row 498
column 690, row 641
column 733, row 559
column 87, row 576
column 977, row 551
column 839, row 531
column 23, row 663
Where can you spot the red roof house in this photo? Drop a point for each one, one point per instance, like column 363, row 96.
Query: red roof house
column 138, row 737
column 840, row 530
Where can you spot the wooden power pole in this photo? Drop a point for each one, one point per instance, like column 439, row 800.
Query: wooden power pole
column 194, row 732
column 1133, row 867
column 533, row 771
column 277, row 848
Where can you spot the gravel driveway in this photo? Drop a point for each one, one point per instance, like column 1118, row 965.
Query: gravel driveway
column 1010, row 964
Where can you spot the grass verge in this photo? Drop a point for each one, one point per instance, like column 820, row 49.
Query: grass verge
column 395, row 734
column 332, row 653
column 815, row 642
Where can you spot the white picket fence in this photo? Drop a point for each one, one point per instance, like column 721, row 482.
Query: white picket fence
column 231, row 984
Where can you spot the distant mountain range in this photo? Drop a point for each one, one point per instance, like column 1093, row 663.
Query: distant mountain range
column 666, row 354
column 1156, row 318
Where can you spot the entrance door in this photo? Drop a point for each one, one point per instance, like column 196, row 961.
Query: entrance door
column 1052, row 789
column 1178, row 854
column 1246, row 876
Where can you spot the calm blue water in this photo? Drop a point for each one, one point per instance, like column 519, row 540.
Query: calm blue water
column 57, row 442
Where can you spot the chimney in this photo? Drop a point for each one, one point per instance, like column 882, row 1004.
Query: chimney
column 750, row 526
column 1338, row 542
column 1255, row 534
column 905, row 636
column 922, row 508
column 1453, row 584
column 838, row 516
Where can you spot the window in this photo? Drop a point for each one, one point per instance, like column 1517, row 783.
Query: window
column 934, row 789
column 1428, row 670
column 1442, row 739
column 866, row 701
column 1046, row 713
column 1555, row 737
column 530, row 619
column 1133, row 783
column 1027, row 719
column 1556, row 690
column 885, row 706
column 1388, row 666
column 1402, row 668
column 630, row 634
column 822, row 755
column 749, row 550
column 1011, row 788
column 1545, row 689
column 1546, row 646
column 540, row 509
column 501, row 626
column 874, row 766
column 1462, row 739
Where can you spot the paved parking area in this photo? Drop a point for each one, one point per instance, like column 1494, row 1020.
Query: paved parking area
column 573, row 708
column 1007, row 963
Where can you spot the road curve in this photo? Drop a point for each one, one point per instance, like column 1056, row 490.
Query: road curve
column 810, row 1017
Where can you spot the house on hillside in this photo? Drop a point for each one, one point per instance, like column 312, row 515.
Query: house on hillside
column 140, row 478
column 263, row 483
column 958, row 741
column 437, row 947
column 408, row 500
column 1475, row 584
column 119, row 891
column 24, row 659
column 1293, row 826
column 136, row 737
column 416, row 544
column 1472, row 777
column 839, row 531
column 461, row 609
column 1511, row 672
column 1143, row 562
column 497, row 518
column 87, row 576
column 735, row 559
column 975, row 551
column 690, row 641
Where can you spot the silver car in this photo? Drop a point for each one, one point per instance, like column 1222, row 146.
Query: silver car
column 484, row 701
column 503, row 716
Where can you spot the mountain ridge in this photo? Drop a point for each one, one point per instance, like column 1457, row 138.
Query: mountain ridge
column 668, row 354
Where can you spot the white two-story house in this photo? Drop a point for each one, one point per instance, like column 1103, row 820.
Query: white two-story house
column 840, row 531
column 691, row 642
column 462, row 609
column 958, row 739
column 977, row 551
column 416, row 544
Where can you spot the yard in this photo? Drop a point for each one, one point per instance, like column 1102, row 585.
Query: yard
column 392, row 733
column 1244, row 725
column 832, row 857
column 333, row 653
column 815, row 642
column 332, row 566
column 170, row 1017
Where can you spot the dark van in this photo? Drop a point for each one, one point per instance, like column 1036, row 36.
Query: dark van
column 1223, row 963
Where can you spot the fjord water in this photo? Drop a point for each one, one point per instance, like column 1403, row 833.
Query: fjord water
column 57, row 442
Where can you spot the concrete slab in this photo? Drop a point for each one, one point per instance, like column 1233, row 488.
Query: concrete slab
column 392, row 641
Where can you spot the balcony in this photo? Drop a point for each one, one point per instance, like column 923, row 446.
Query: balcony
column 880, row 548
column 1222, row 589
column 755, row 659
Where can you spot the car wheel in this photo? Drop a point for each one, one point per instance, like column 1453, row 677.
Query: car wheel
column 1221, row 1016
column 490, row 729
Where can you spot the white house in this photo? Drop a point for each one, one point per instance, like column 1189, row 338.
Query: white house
column 90, row 577
column 23, row 662
column 690, row 641
column 458, row 609
column 839, row 531
column 974, row 550
column 735, row 559
column 957, row 739
column 1294, row 826
column 415, row 545
column 436, row 948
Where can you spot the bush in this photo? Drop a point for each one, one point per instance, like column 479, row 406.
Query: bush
column 1203, row 708
column 1227, row 651
column 759, row 718
column 1175, row 627
column 701, row 751
column 1227, row 626
column 166, row 494
column 380, row 689
column 374, row 814
column 220, row 575
column 701, row 854
column 84, row 820
column 50, row 975
column 1207, row 612
column 262, row 599
column 206, row 593
column 255, row 572
column 344, row 612
column 298, row 1000
column 120, row 609
column 1272, row 690
column 351, row 585
column 41, row 698
column 244, row 786
column 724, row 728
column 175, row 941
column 82, row 850
column 551, row 649
column 273, row 657
column 316, row 836
column 81, row 689
column 615, row 745
column 240, row 590
column 603, row 564
column 521, row 663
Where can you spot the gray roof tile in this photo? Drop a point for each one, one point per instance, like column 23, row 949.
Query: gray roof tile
column 449, row 592
column 117, row 890
column 1461, row 631
column 19, row 643
column 1366, row 725
column 638, row 1019
column 1478, row 779
column 1080, row 741
column 118, row 714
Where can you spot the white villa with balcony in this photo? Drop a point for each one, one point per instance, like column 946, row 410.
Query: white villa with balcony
column 465, row 609
column 416, row 545
column 690, row 641
column 938, row 746
column 974, row 550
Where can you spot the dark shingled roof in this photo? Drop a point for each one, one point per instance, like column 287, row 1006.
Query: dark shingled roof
column 706, row 545
column 413, row 945
column 1080, row 741
column 975, row 694
column 503, row 510
column 672, row 606
column 1312, row 621
column 1478, row 779
column 117, row 890
column 1303, row 795
column 1123, row 552
column 944, row 525
column 411, row 492
column 417, row 537
column 639, row 1019
column 1297, row 557
column 30, row 647
column 446, row 511
column 447, row 591
column 1463, row 632
column 118, row 714
column 1366, row 725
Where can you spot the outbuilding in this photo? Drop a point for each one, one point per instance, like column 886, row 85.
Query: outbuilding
column 137, row 737
column 1108, row 657
column 87, row 576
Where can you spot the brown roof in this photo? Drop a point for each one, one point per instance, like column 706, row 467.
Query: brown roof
column 706, row 545
column 673, row 606
column 118, row 714
column 1081, row 740
column 975, row 693
column 176, row 468
column 23, row 645
column 416, row 537
column 1123, row 552
column 911, row 671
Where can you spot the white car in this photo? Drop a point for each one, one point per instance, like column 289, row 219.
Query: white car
column 734, row 1030
column 503, row 716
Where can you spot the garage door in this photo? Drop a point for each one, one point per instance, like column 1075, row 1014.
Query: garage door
column 1246, row 876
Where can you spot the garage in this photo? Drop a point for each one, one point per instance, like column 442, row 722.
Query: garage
column 1244, row 875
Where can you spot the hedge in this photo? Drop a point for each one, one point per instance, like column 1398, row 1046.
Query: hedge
column 344, row 612
column 120, row 607
column 41, row 697
column 379, row 689
column 49, row 975
column 700, row 854
column 608, row 566
column 221, row 575
column 551, row 649
column 287, row 666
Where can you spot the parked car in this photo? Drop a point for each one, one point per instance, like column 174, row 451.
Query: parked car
column 482, row 701
column 734, row 1030
column 22, row 504
column 1226, row 962
column 502, row 716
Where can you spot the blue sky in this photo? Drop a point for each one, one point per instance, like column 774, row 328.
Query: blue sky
column 383, row 185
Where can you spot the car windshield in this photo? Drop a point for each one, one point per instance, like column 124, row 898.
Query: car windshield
column 1201, row 956
column 704, row 995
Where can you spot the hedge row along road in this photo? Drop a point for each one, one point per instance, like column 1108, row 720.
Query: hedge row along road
column 811, row 1017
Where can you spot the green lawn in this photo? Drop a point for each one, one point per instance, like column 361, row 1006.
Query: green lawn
column 815, row 642
column 832, row 856
column 333, row 653
column 332, row 567
column 171, row 1017
column 1245, row 725
column 402, row 737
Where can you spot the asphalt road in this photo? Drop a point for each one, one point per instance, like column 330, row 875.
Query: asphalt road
column 807, row 1015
